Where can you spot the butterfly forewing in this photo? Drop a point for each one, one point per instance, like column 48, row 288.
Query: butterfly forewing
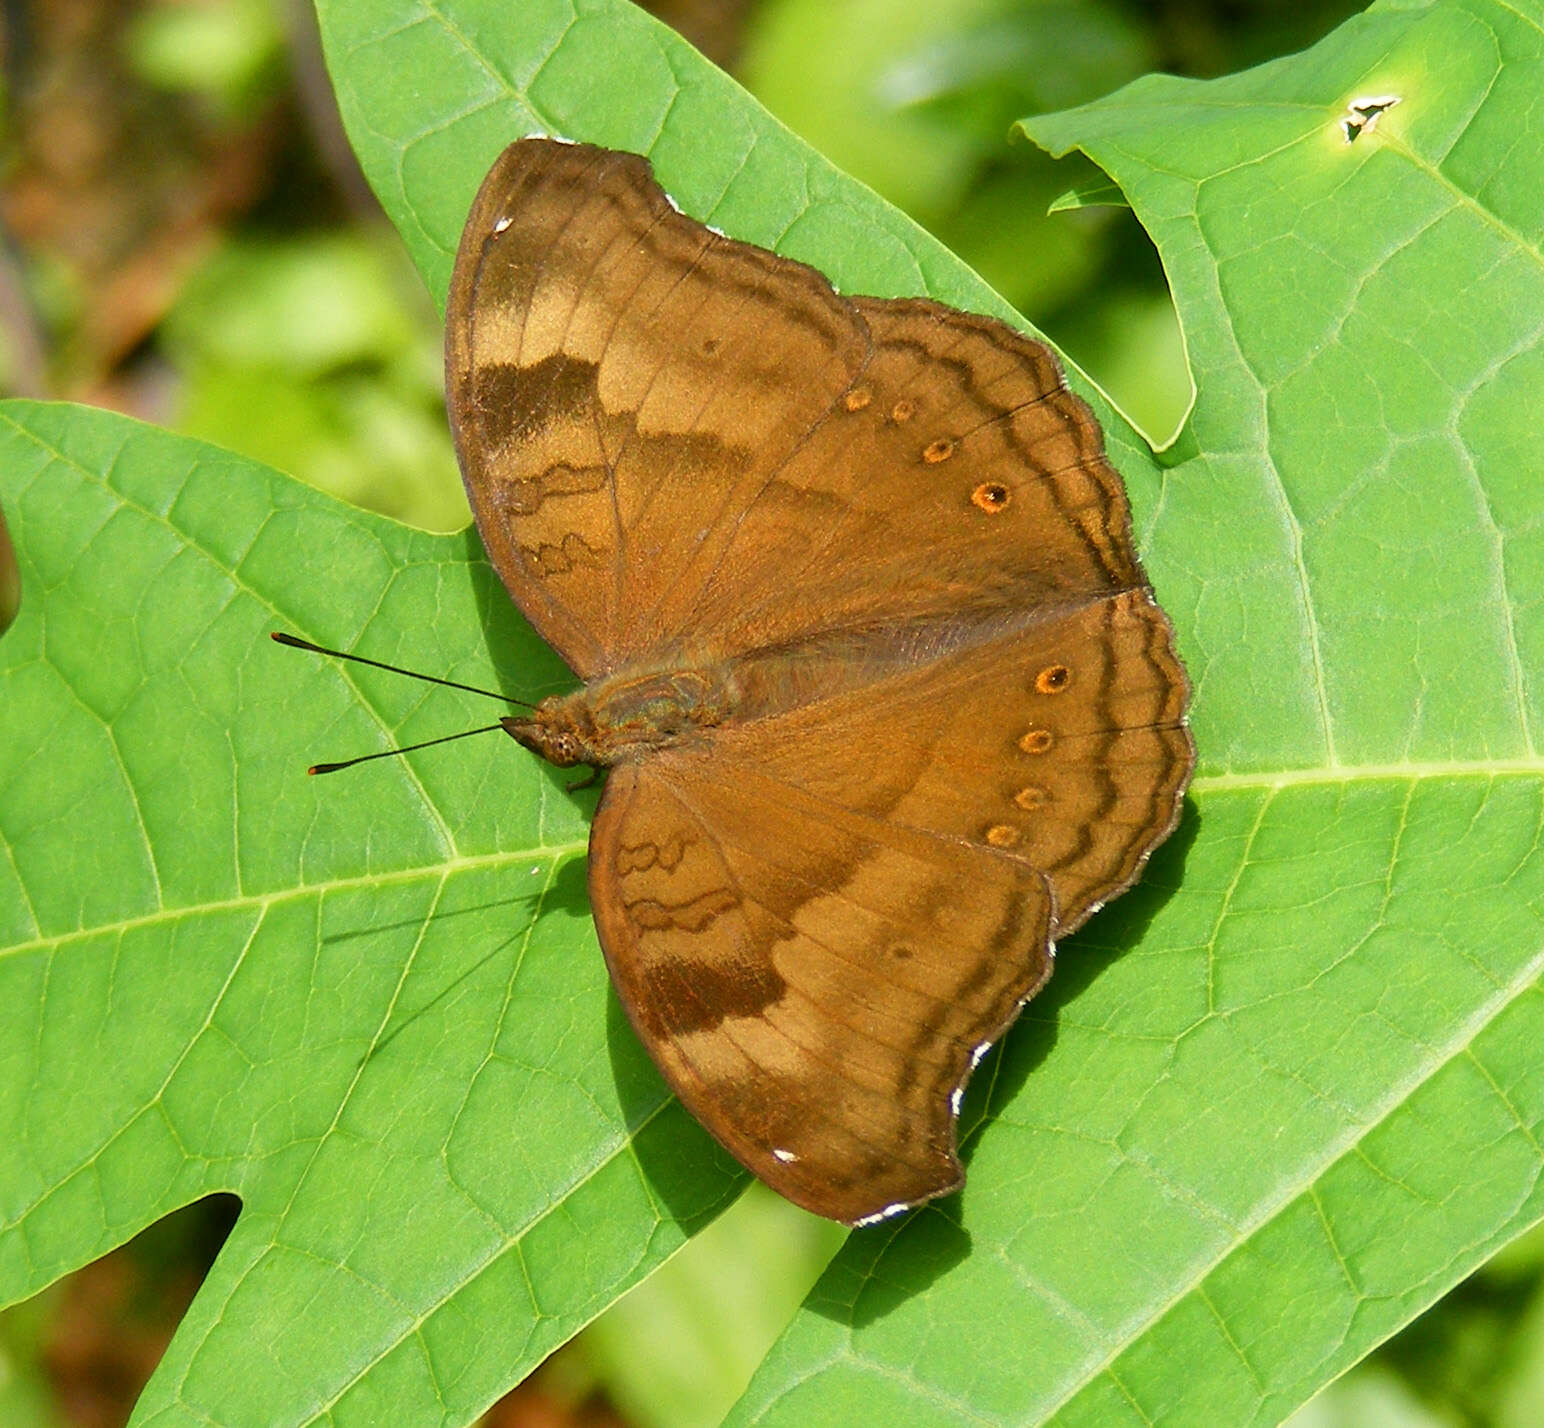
column 620, row 380
column 930, row 488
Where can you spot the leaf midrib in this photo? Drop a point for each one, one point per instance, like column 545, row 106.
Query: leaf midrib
column 1468, row 1031
column 1211, row 783
column 1369, row 773
column 260, row 902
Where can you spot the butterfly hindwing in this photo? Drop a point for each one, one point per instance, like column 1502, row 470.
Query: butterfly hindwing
column 814, row 985
column 1057, row 739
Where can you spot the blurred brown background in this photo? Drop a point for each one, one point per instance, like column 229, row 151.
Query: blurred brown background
column 186, row 238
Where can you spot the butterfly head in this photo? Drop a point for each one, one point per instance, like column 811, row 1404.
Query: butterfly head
column 555, row 729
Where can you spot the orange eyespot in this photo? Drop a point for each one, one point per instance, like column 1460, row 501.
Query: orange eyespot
column 902, row 411
column 1036, row 741
column 1053, row 679
column 857, row 399
column 1003, row 835
column 1030, row 797
column 936, row 451
column 991, row 496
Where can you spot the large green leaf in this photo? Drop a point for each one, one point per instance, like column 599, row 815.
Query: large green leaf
column 374, row 1009
column 1307, row 1097
column 1292, row 1110
column 370, row 1006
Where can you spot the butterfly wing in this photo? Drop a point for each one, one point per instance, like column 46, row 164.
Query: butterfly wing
column 957, row 716
column 814, row 932
column 664, row 431
column 814, row 984
column 1057, row 737
column 957, row 475
column 620, row 378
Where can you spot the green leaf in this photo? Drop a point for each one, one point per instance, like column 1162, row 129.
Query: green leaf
column 370, row 1005
column 1303, row 1099
column 1091, row 193
column 10, row 578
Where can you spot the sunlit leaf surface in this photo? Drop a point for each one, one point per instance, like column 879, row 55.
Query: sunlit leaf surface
column 1305, row 1098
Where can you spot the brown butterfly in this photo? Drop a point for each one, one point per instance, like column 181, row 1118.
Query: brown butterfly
column 885, row 698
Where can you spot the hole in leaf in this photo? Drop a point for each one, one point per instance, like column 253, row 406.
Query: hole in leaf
column 106, row 1326
column 1362, row 115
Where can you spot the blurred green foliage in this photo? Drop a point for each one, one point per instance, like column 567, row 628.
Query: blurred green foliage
column 919, row 102
column 680, row 1348
column 26, row 1396
column 231, row 52
column 320, row 355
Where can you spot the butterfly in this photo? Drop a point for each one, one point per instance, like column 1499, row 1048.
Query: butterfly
column 884, row 700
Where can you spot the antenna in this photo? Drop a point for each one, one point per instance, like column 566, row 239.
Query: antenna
column 405, row 749
column 295, row 642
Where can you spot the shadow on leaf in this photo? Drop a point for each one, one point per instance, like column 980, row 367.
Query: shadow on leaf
column 688, row 1173
column 527, row 667
column 1080, row 959
column 415, row 925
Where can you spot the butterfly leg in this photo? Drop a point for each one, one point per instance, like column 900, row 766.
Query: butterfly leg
column 588, row 781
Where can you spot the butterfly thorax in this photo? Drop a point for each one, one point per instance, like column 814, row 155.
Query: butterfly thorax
column 620, row 715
